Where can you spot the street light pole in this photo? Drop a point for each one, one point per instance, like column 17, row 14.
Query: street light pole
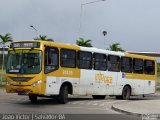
column 33, row 28
column 104, row 33
column 82, row 4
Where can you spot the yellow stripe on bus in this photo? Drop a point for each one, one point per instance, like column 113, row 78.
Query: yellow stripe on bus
column 140, row 76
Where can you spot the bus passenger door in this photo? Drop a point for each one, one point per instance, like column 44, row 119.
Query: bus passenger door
column 85, row 87
column 51, row 66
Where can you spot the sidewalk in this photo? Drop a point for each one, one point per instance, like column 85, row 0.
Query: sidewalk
column 139, row 107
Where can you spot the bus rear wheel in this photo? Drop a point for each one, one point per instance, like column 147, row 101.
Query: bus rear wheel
column 98, row 96
column 126, row 93
column 33, row 98
column 63, row 96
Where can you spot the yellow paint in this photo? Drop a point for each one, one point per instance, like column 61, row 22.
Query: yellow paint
column 40, row 89
column 102, row 77
column 140, row 76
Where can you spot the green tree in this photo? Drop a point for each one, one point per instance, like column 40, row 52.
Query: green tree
column 115, row 47
column 83, row 42
column 43, row 38
column 6, row 38
column 158, row 67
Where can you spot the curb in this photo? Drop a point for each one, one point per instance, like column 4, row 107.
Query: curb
column 126, row 112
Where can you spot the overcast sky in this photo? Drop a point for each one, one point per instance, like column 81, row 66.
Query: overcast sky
column 135, row 24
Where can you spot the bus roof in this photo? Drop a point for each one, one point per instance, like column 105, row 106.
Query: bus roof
column 92, row 49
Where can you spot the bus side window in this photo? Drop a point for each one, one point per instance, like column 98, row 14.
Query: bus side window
column 149, row 67
column 68, row 58
column 138, row 66
column 84, row 60
column 100, row 61
column 51, row 59
column 126, row 64
column 113, row 63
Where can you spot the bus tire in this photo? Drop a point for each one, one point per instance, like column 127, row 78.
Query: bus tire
column 126, row 93
column 33, row 98
column 98, row 96
column 63, row 96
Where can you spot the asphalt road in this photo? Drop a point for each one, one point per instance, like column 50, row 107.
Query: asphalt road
column 77, row 108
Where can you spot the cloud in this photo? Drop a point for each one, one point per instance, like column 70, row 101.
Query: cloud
column 134, row 24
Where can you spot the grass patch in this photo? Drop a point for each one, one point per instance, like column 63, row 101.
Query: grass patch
column 3, row 79
column 158, row 82
column 2, row 86
column 3, row 75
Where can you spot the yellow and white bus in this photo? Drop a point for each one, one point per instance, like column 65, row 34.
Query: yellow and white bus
column 43, row 68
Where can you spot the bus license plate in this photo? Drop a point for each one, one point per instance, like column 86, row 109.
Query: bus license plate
column 20, row 89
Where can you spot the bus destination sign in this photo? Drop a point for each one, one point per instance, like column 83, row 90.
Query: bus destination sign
column 25, row 45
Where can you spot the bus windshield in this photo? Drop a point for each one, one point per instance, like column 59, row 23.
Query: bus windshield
column 24, row 61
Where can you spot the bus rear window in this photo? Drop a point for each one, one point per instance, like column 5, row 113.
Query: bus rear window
column 149, row 67
column 138, row 66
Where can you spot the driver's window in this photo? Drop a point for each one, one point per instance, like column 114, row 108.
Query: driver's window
column 51, row 59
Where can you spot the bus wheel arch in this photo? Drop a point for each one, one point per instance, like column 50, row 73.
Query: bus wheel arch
column 126, row 93
column 66, row 88
column 70, row 87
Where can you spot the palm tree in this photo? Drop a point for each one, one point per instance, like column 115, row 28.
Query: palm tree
column 5, row 38
column 43, row 38
column 83, row 42
column 115, row 47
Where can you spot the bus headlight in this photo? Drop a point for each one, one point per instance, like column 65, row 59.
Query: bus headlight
column 36, row 83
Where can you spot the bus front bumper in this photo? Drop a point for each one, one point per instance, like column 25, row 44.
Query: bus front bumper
column 24, row 90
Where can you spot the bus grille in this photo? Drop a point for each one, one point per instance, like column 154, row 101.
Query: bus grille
column 21, row 79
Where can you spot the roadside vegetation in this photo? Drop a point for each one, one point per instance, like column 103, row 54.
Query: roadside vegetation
column 158, row 80
column 115, row 47
column 44, row 38
column 3, row 78
column 158, row 83
column 83, row 42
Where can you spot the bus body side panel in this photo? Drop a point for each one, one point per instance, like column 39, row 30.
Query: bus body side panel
column 137, row 86
column 86, row 82
column 110, row 82
column 149, row 86
column 94, row 82
column 121, row 82
column 53, row 84
column 142, row 83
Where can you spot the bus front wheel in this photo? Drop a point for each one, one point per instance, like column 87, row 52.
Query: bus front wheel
column 63, row 96
column 33, row 98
